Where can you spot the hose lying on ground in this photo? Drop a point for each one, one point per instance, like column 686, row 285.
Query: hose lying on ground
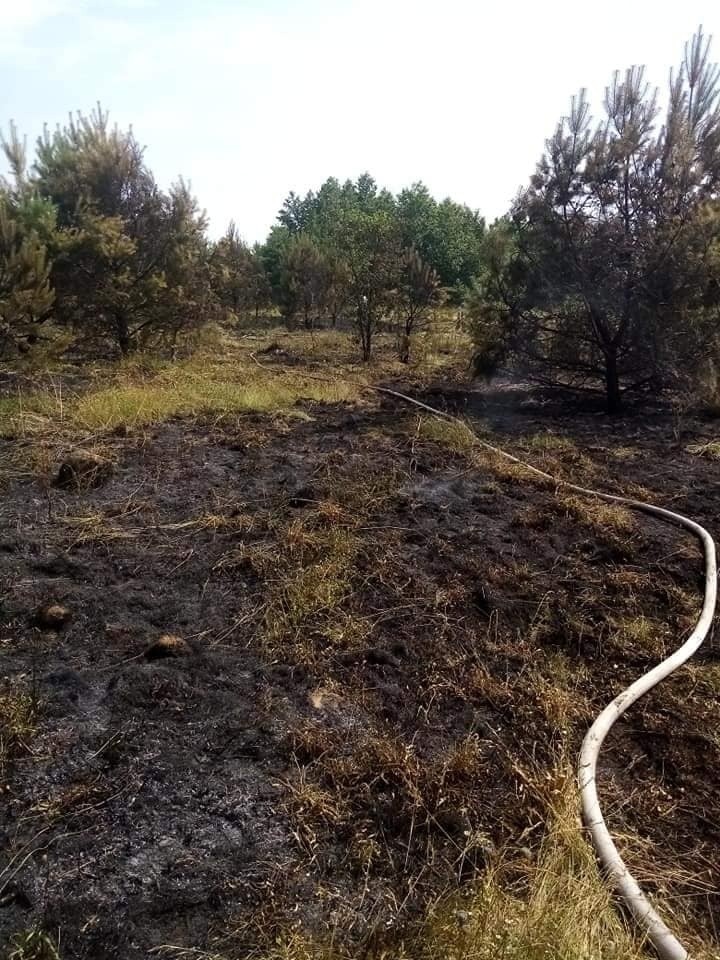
column 666, row 944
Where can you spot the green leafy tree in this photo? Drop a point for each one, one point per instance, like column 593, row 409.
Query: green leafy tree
column 607, row 255
column 457, row 255
column 447, row 235
column 272, row 255
column 337, row 292
column 371, row 246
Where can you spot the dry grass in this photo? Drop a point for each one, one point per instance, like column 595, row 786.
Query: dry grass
column 307, row 571
column 141, row 392
column 27, row 414
column 199, row 386
column 551, row 453
column 560, row 457
column 18, row 717
column 642, row 635
column 33, row 944
column 553, row 906
column 710, row 450
column 224, row 375
column 560, row 910
column 443, row 339
column 555, row 686
column 600, row 516
column 463, row 439
column 453, row 434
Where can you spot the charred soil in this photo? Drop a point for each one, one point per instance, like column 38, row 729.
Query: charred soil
column 316, row 670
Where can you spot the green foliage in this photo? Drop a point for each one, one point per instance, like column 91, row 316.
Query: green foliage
column 90, row 239
column 339, row 220
column 89, row 163
column 336, row 251
column 27, row 224
column 606, row 270
column 131, row 262
column 305, row 279
column 238, row 273
column 491, row 302
column 33, row 944
column 418, row 292
column 25, row 293
column 447, row 235
column 369, row 242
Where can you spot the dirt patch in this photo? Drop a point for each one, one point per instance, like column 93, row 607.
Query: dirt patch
column 384, row 643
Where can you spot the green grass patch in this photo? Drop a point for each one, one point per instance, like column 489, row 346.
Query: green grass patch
column 136, row 397
column 200, row 387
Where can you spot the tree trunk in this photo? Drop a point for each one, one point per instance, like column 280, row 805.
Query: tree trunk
column 612, row 384
column 366, row 344
column 122, row 331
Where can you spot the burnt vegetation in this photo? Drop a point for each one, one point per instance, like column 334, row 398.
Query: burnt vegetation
column 293, row 671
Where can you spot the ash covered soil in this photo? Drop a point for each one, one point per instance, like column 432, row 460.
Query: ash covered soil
column 388, row 644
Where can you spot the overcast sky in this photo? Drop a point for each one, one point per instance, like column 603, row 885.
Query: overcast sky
column 253, row 98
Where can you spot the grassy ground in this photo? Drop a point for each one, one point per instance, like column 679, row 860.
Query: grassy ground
column 391, row 644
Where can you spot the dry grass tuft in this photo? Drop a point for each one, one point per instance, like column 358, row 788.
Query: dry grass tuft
column 453, row 434
column 552, row 906
column 18, row 717
column 709, row 450
column 560, row 909
column 598, row 515
column 643, row 635
column 33, row 944
column 462, row 439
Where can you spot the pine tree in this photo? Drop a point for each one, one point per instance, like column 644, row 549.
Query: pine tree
column 25, row 292
column 418, row 293
column 26, row 224
column 591, row 280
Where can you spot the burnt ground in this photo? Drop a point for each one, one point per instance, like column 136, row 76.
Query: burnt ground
column 389, row 645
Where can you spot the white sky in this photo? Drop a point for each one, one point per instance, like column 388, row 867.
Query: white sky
column 249, row 100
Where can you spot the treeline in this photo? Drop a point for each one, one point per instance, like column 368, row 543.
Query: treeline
column 607, row 268
column 605, row 271
column 356, row 253
column 90, row 242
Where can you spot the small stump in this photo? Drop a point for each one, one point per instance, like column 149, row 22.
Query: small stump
column 82, row 468
column 51, row 616
column 168, row 646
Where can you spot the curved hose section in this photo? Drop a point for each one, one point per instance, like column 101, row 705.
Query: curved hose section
column 666, row 944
